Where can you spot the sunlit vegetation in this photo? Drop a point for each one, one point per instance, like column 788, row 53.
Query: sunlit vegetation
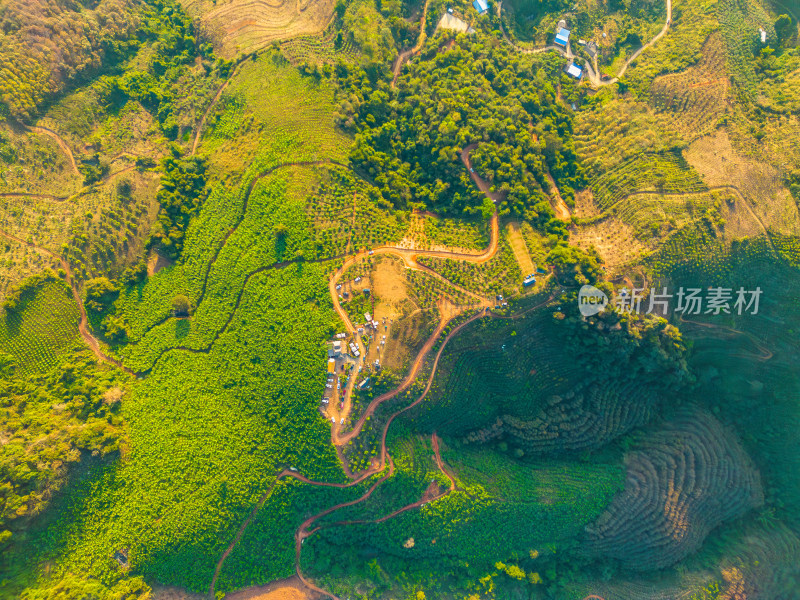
column 507, row 517
column 40, row 323
column 31, row 72
column 267, row 550
column 183, row 189
column 500, row 275
column 739, row 24
column 53, row 421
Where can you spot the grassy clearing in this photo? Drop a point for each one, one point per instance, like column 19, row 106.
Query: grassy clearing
column 281, row 102
column 431, row 232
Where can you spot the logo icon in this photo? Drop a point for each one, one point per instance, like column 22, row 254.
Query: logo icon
column 591, row 301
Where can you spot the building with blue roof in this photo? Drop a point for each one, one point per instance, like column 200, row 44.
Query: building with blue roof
column 574, row 70
column 481, row 6
column 562, row 37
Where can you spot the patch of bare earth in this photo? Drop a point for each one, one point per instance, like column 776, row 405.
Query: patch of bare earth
column 174, row 593
column 613, row 239
column 244, row 26
column 585, row 206
column 389, row 290
column 760, row 183
column 283, row 589
column 156, row 262
column 519, row 248
column 559, row 206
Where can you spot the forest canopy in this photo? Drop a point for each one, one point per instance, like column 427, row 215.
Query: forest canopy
column 410, row 138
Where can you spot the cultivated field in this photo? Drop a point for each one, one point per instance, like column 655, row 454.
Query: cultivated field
column 245, row 26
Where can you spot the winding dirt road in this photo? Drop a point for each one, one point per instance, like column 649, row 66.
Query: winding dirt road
column 61, row 144
column 213, row 103
column 406, row 54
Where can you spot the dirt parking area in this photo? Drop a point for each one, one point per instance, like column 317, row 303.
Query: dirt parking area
column 283, row 589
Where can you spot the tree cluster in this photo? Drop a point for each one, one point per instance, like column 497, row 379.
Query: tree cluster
column 51, row 422
column 183, row 189
column 462, row 95
column 48, row 45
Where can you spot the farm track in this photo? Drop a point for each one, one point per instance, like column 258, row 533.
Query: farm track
column 766, row 355
column 48, row 197
column 421, row 502
column 61, row 144
column 406, row 54
column 213, row 103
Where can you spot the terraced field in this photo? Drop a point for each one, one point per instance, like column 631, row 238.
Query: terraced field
column 667, row 172
column 693, row 101
column 245, row 26
column 683, row 480
column 319, row 49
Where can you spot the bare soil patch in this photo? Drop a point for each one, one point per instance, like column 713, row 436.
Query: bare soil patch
column 760, row 183
column 283, row 589
column 244, row 26
column 156, row 262
column 520, row 249
column 613, row 239
column 585, row 206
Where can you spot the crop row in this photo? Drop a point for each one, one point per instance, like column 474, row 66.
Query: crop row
column 693, row 100
column 319, row 49
column 346, row 216
column 683, row 480
column 578, row 420
column 667, row 172
column 426, row 291
column 43, row 326
column 500, row 275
